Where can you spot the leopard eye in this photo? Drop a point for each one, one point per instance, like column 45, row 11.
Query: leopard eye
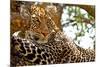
column 33, row 15
column 36, row 38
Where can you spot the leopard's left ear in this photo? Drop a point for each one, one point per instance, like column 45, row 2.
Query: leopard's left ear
column 25, row 11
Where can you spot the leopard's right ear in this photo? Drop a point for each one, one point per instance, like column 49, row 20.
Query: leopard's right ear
column 25, row 11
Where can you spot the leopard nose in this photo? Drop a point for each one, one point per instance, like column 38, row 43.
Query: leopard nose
column 45, row 34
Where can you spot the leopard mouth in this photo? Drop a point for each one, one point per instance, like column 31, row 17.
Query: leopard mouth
column 36, row 38
column 41, row 38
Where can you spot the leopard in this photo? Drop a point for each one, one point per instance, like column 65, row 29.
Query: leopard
column 39, row 40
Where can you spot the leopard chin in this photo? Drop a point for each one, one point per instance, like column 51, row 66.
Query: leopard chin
column 41, row 38
column 38, row 37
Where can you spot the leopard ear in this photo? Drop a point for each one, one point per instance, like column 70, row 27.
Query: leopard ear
column 25, row 11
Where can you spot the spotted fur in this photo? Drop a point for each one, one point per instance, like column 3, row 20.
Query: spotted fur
column 63, row 50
